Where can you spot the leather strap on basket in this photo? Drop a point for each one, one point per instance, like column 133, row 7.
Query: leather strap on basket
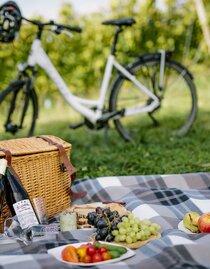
column 65, row 164
column 8, row 157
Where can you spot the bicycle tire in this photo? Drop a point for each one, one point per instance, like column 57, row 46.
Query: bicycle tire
column 146, row 72
column 17, row 87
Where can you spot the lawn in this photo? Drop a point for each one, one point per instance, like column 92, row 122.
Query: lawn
column 158, row 150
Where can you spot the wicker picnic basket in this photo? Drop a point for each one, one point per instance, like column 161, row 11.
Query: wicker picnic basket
column 40, row 166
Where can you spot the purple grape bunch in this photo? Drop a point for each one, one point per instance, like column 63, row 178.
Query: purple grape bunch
column 105, row 221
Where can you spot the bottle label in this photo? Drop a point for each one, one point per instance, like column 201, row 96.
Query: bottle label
column 25, row 214
column 3, row 166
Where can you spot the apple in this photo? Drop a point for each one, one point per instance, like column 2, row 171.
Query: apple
column 204, row 223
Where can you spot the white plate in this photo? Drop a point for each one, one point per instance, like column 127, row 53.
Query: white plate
column 182, row 228
column 56, row 252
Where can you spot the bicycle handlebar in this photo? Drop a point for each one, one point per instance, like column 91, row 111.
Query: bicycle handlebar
column 60, row 27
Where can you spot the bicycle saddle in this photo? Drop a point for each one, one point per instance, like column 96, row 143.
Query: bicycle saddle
column 120, row 22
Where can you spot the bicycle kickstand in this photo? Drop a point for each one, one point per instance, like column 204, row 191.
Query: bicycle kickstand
column 154, row 121
column 106, row 129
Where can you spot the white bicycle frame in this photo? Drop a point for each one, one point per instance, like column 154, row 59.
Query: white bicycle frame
column 83, row 106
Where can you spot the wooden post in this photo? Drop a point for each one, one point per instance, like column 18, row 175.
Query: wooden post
column 203, row 21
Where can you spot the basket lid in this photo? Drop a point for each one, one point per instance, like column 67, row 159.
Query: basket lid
column 31, row 145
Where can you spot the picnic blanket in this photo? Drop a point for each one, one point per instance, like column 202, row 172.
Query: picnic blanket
column 162, row 198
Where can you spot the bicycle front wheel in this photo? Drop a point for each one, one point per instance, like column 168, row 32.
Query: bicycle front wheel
column 178, row 99
column 18, row 110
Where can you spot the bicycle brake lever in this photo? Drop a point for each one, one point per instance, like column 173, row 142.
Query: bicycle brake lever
column 57, row 30
column 67, row 33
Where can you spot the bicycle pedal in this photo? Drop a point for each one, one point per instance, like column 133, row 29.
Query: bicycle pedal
column 75, row 126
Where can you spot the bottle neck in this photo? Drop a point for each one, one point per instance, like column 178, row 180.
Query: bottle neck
column 16, row 187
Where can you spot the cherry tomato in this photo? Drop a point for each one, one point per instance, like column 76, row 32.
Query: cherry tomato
column 102, row 250
column 87, row 259
column 106, row 256
column 84, row 245
column 91, row 250
column 97, row 257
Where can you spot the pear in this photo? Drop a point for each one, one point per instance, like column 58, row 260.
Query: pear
column 190, row 221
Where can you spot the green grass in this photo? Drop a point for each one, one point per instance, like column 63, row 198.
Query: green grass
column 158, row 151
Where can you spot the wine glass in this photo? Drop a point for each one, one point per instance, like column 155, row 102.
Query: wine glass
column 12, row 232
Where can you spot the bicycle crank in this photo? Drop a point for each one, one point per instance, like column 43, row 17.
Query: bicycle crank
column 110, row 115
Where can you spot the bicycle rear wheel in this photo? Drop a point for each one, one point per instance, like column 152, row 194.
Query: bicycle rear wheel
column 18, row 110
column 178, row 99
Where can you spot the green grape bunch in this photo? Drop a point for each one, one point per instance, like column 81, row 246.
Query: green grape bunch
column 131, row 229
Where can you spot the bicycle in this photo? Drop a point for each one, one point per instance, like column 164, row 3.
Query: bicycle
column 140, row 87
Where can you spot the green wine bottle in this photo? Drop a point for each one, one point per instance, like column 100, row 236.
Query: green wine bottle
column 18, row 201
column 3, row 166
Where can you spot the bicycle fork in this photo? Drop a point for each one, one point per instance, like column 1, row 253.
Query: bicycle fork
column 9, row 126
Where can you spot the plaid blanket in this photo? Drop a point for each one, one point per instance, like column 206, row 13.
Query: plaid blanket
column 162, row 198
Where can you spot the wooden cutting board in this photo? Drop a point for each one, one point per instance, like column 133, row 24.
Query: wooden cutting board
column 135, row 245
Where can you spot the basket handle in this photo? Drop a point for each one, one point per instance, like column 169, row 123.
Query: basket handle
column 8, row 157
column 65, row 164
